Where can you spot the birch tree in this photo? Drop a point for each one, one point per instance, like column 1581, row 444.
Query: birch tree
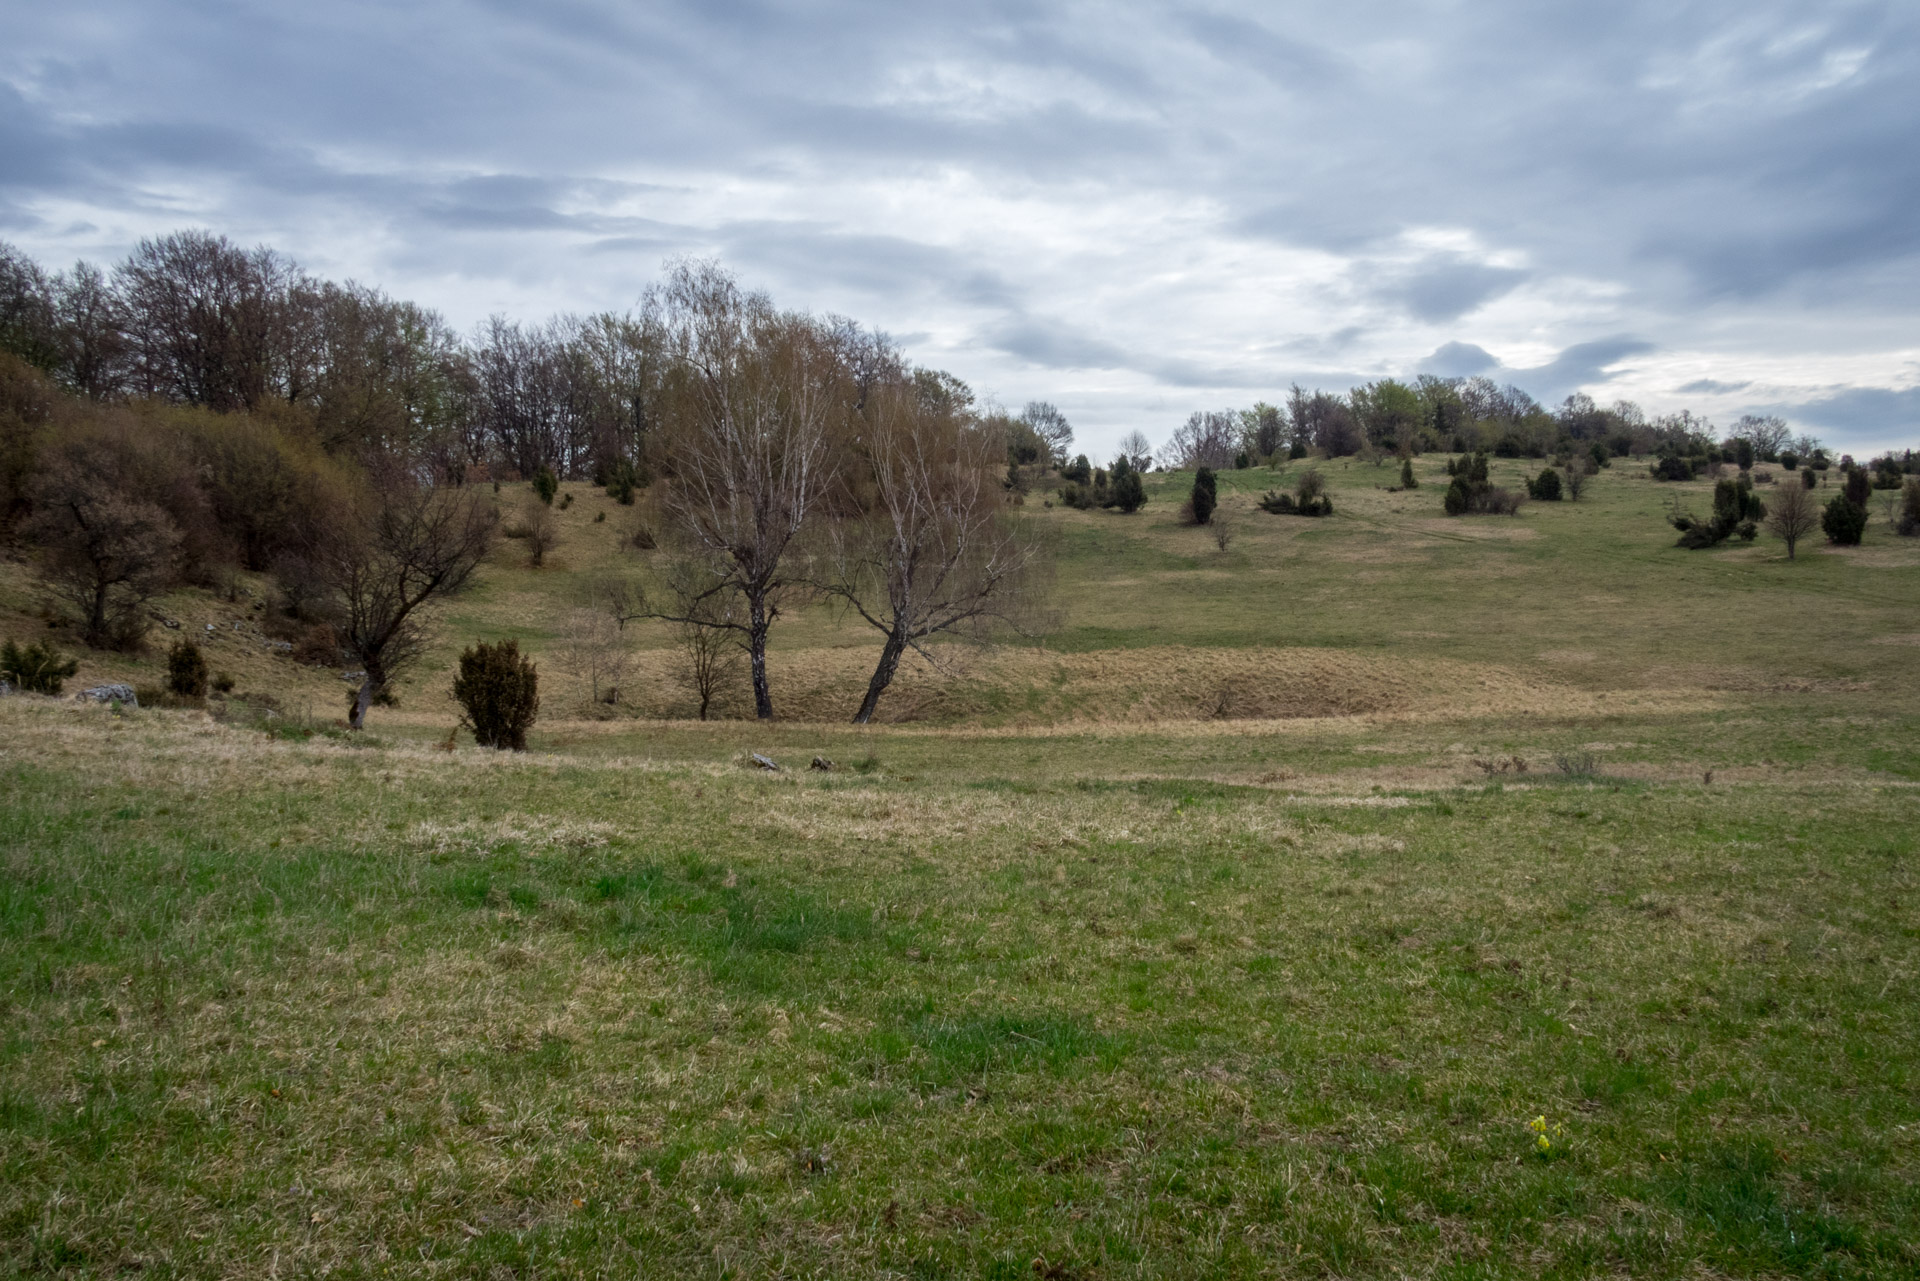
column 937, row 549
column 753, row 402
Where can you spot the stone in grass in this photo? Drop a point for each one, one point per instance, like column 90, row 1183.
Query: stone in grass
column 766, row 763
column 122, row 694
column 822, row 764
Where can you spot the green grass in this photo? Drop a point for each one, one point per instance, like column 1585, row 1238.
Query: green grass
column 390, row 1011
column 1075, row 978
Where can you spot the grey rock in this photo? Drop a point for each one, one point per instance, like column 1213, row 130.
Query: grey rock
column 122, row 694
column 766, row 763
column 822, row 764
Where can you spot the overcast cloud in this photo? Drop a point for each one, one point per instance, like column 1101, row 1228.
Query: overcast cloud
column 1133, row 211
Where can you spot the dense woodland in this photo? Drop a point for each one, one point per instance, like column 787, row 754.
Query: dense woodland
column 200, row 408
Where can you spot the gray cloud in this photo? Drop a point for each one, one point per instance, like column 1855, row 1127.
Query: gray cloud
column 1582, row 365
column 1865, row 418
column 1446, row 287
column 1059, row 197
column 1458, row 360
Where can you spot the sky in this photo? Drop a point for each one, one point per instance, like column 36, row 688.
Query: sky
column 1131, row 210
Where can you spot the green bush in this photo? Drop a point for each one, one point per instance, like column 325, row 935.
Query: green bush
column 1205, row 496
column 1125, row 490
column 186, row 669
column 1407, row 479
column 546, row 484
column 1909, row 523
column 1844, row 521
column 1545, row 487
column 500, row 691
column 37, row 668
column 1077, row 496
column 622, row 479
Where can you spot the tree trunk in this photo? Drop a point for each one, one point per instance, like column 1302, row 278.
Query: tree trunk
column 371, row 682
column 757, row 623
column 97, row 617
column 882, row 675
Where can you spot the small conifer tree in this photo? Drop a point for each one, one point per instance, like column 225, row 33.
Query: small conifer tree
column 1205, row 497
column 187, row 669
column 1844, row 521
column 500, row 691
column 1407, row 479
column 546, row 484
column 1125, row 490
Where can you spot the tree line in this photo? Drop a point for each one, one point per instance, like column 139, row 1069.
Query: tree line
column 1390, row 417
column 201, row 407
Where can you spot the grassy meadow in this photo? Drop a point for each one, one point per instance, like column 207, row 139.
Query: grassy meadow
column 1381, row 895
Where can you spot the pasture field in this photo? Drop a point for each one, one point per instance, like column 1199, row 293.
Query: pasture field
column 1222, row 935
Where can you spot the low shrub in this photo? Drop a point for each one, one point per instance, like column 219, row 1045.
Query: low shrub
column 1308, row 499
column 1736, row 510
column 1577, row 764
column 36, row 668
column 1545, row 487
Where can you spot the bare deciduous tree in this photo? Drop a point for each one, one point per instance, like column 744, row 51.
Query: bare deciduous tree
column 406, row 545
column 207, row 319
column 542, row 531
column 1138, row 450
column 1052, row 427
column 1206, row 439
column 697, row 593
column 1223, row 530
column 709, row 646
column 1577, row 472
column 593, row 650
column 937, row 550
column 105, row 552
column 1792, row 514
column 749, row 417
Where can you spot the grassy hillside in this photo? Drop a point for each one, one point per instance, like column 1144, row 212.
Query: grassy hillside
column 1246, row 928
column 1388, row 606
